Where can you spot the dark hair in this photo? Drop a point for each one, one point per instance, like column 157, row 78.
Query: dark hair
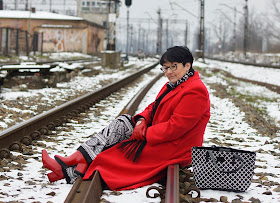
column 180, row 54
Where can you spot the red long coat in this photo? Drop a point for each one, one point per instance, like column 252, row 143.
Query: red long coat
column 178, row 125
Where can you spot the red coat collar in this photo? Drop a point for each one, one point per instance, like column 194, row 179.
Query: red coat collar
column 179, row 87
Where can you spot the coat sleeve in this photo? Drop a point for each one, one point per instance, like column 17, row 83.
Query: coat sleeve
column 192, row 106
column 146, row 114
column 148, row 110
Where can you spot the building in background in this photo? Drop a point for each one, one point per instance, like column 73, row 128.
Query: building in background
column 102, row 12
column 26, row 31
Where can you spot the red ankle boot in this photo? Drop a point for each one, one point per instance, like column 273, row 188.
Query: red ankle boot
column 76, row 158
column 52, row 164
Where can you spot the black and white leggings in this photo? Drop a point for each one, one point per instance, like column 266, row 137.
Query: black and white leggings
column 118, row 130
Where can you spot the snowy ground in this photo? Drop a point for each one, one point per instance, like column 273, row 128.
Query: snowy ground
column 226, row 126
column 48, row 98
column 225, row 116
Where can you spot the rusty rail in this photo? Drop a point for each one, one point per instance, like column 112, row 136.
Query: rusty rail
column 83, row 190
column 90, row 191
column 172, row 184
column 31, row 129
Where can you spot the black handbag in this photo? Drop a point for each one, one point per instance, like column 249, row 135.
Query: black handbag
column 222, row 168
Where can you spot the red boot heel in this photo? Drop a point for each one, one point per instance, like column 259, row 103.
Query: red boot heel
column 54, row 177
column 76, row 158
column 52, row 165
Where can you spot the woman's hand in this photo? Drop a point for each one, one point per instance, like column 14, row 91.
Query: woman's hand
column 139, row 132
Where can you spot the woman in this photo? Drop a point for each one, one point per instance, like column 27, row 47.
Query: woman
column 135, row 151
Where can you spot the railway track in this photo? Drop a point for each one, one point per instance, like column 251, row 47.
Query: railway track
column 13, row 138
column 171, row 186
column 91, row 190
column 33, row 128
column 87, row 191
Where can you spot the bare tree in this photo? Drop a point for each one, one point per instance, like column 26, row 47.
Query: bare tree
column 256, row 32
column 273, row 26
column 221, row 31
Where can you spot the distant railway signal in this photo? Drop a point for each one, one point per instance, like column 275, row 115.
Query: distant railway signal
column 128, row 3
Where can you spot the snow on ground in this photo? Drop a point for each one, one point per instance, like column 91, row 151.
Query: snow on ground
column 224, row 116
column 22, row 187
column 262, row 74
column 266, row 75
column 66, row 89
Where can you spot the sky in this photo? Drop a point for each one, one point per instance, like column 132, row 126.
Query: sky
column 148, row 8
column 184, row 11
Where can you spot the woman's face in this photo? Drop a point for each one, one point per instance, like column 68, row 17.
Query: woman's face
column 177, row 73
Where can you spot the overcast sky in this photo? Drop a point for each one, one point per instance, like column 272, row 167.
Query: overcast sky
column 140, row 8
column 186, row 10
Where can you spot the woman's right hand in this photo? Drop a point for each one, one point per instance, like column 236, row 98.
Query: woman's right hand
column 139, row 132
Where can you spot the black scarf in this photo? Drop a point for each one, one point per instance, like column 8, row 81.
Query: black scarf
column 170, row 86
column 134, row 148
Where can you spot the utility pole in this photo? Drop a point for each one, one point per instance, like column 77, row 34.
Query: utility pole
column 186, row 34
column 144, row 34
column 50, row 5
column 64, row 5
column 127, row 31
column 16, row 4
column 131, row 44
column 139, row 38
column 148, row 44
column 128, row 4
column 234, row 31
column 111, row 26
column 166, row 33
column 26, row 5
column 159, row 34
column 245, row 48
column 201, row 33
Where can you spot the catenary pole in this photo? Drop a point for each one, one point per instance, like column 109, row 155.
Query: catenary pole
column 159, row 34
column 245, row 46
column 186, row 34
column 127, row 31
column 201, row 33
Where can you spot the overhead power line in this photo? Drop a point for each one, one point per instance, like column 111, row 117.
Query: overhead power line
column 174, row 3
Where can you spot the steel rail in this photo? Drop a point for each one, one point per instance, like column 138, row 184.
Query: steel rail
column 172, row 184
column 85, row 191
column 23, row 133
column 90, row 191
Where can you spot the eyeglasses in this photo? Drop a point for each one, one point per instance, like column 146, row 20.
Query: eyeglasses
column 173, row 68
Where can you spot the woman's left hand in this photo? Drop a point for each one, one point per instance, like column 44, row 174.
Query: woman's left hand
column 139, row 132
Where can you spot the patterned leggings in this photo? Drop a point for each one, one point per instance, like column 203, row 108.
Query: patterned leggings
column 118, row 130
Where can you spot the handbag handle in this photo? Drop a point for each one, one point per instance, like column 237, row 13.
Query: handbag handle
column 232, row 171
